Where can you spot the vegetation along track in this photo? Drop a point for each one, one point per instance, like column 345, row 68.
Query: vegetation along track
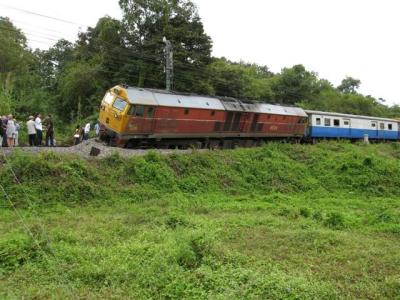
column 282, row 221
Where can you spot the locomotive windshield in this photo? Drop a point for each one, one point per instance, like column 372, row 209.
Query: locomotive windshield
column 120, row 104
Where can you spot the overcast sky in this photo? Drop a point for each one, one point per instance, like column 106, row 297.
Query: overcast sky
column 335, row 38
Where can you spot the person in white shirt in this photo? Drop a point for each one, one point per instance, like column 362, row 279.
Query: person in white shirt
column 86, row 132
column 10, row 131
column 17, row 128
column 39, row 130
column 30, row 125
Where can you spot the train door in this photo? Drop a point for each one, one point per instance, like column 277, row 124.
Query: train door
column 148, row 121
column 346, row 127
column 254, row 123
column 228, row 121
column 141, row 119
column 136, row 118
column 381, row 130
column 236, row 121
column 374, row 132
column 398, row 130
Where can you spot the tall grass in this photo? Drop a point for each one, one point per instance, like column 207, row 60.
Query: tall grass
column 277, row 222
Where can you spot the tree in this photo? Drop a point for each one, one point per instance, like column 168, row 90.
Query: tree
column 12, row 53
column 240, row 80
column 349, row 85
column 80, row 90
column 20, row 83
column 147, row 22
column 294, row 84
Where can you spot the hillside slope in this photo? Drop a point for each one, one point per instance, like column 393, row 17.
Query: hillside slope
column 281, row 221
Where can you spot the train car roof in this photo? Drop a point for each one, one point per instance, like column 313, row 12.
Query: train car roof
column 316, row 112
column 164, row 98
column 282, row 110
column 160, row 98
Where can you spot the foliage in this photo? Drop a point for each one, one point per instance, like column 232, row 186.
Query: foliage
column 294, row 84
column 240, row 80
column 69, row 79
column 148, row 22
column 349, row 85
column 264, row 223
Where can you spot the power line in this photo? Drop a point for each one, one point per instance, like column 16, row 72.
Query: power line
column 42, row 15
column 34, row 25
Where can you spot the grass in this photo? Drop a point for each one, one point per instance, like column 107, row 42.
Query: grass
column 278, row 222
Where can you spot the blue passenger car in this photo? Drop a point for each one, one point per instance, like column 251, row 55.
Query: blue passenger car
column 336, row 125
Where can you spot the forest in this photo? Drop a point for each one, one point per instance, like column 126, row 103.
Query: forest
column 69, row 79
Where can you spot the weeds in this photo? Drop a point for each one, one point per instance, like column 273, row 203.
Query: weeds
column 277, row 222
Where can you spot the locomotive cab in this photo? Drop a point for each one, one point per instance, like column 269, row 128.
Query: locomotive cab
column 113, row 110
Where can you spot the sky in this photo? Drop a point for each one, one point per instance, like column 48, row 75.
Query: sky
column 335, row 38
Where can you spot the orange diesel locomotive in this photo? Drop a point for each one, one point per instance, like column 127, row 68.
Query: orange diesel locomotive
column 138, row 118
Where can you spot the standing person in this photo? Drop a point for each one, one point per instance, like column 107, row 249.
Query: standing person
column 39, row 129
column 49, row 132
column 1, row 131
column 86, row 132
column 17, row 128
column 10, row 131
column 4, row 127
column 77, row 135
column 30, row 125
column 97, row 129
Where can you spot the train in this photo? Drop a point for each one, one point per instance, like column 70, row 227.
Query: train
column 132, row 117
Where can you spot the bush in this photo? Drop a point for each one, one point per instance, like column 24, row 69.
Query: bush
column 18, row 249
column 334, row 220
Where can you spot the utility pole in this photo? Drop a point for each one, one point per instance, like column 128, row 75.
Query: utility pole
column 169, row 64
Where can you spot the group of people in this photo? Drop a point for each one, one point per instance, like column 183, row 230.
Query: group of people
column 35, row 131
column 9, row 128
column 82, row 133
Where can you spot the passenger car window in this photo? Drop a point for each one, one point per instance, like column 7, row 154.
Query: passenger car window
column 186, row 111
column 346, row 123
column 373, row 124
column 336, row 122
column 390, row 126
column 382, row 126
column 327, row 122
column 318, row 121
column 120, row 104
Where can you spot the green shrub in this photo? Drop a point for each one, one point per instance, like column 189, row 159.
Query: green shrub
column 18, row 249
column 304, row 212
column 334, row 220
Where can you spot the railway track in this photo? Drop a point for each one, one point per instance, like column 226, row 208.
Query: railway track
column 84, row 150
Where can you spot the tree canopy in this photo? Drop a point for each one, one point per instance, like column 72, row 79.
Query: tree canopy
column 349, row 85
column 70, row 78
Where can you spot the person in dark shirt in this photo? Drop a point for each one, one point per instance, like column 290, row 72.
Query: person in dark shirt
column 49, row 132
column 77, row 135
column 3, row 128
column 1, row 131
